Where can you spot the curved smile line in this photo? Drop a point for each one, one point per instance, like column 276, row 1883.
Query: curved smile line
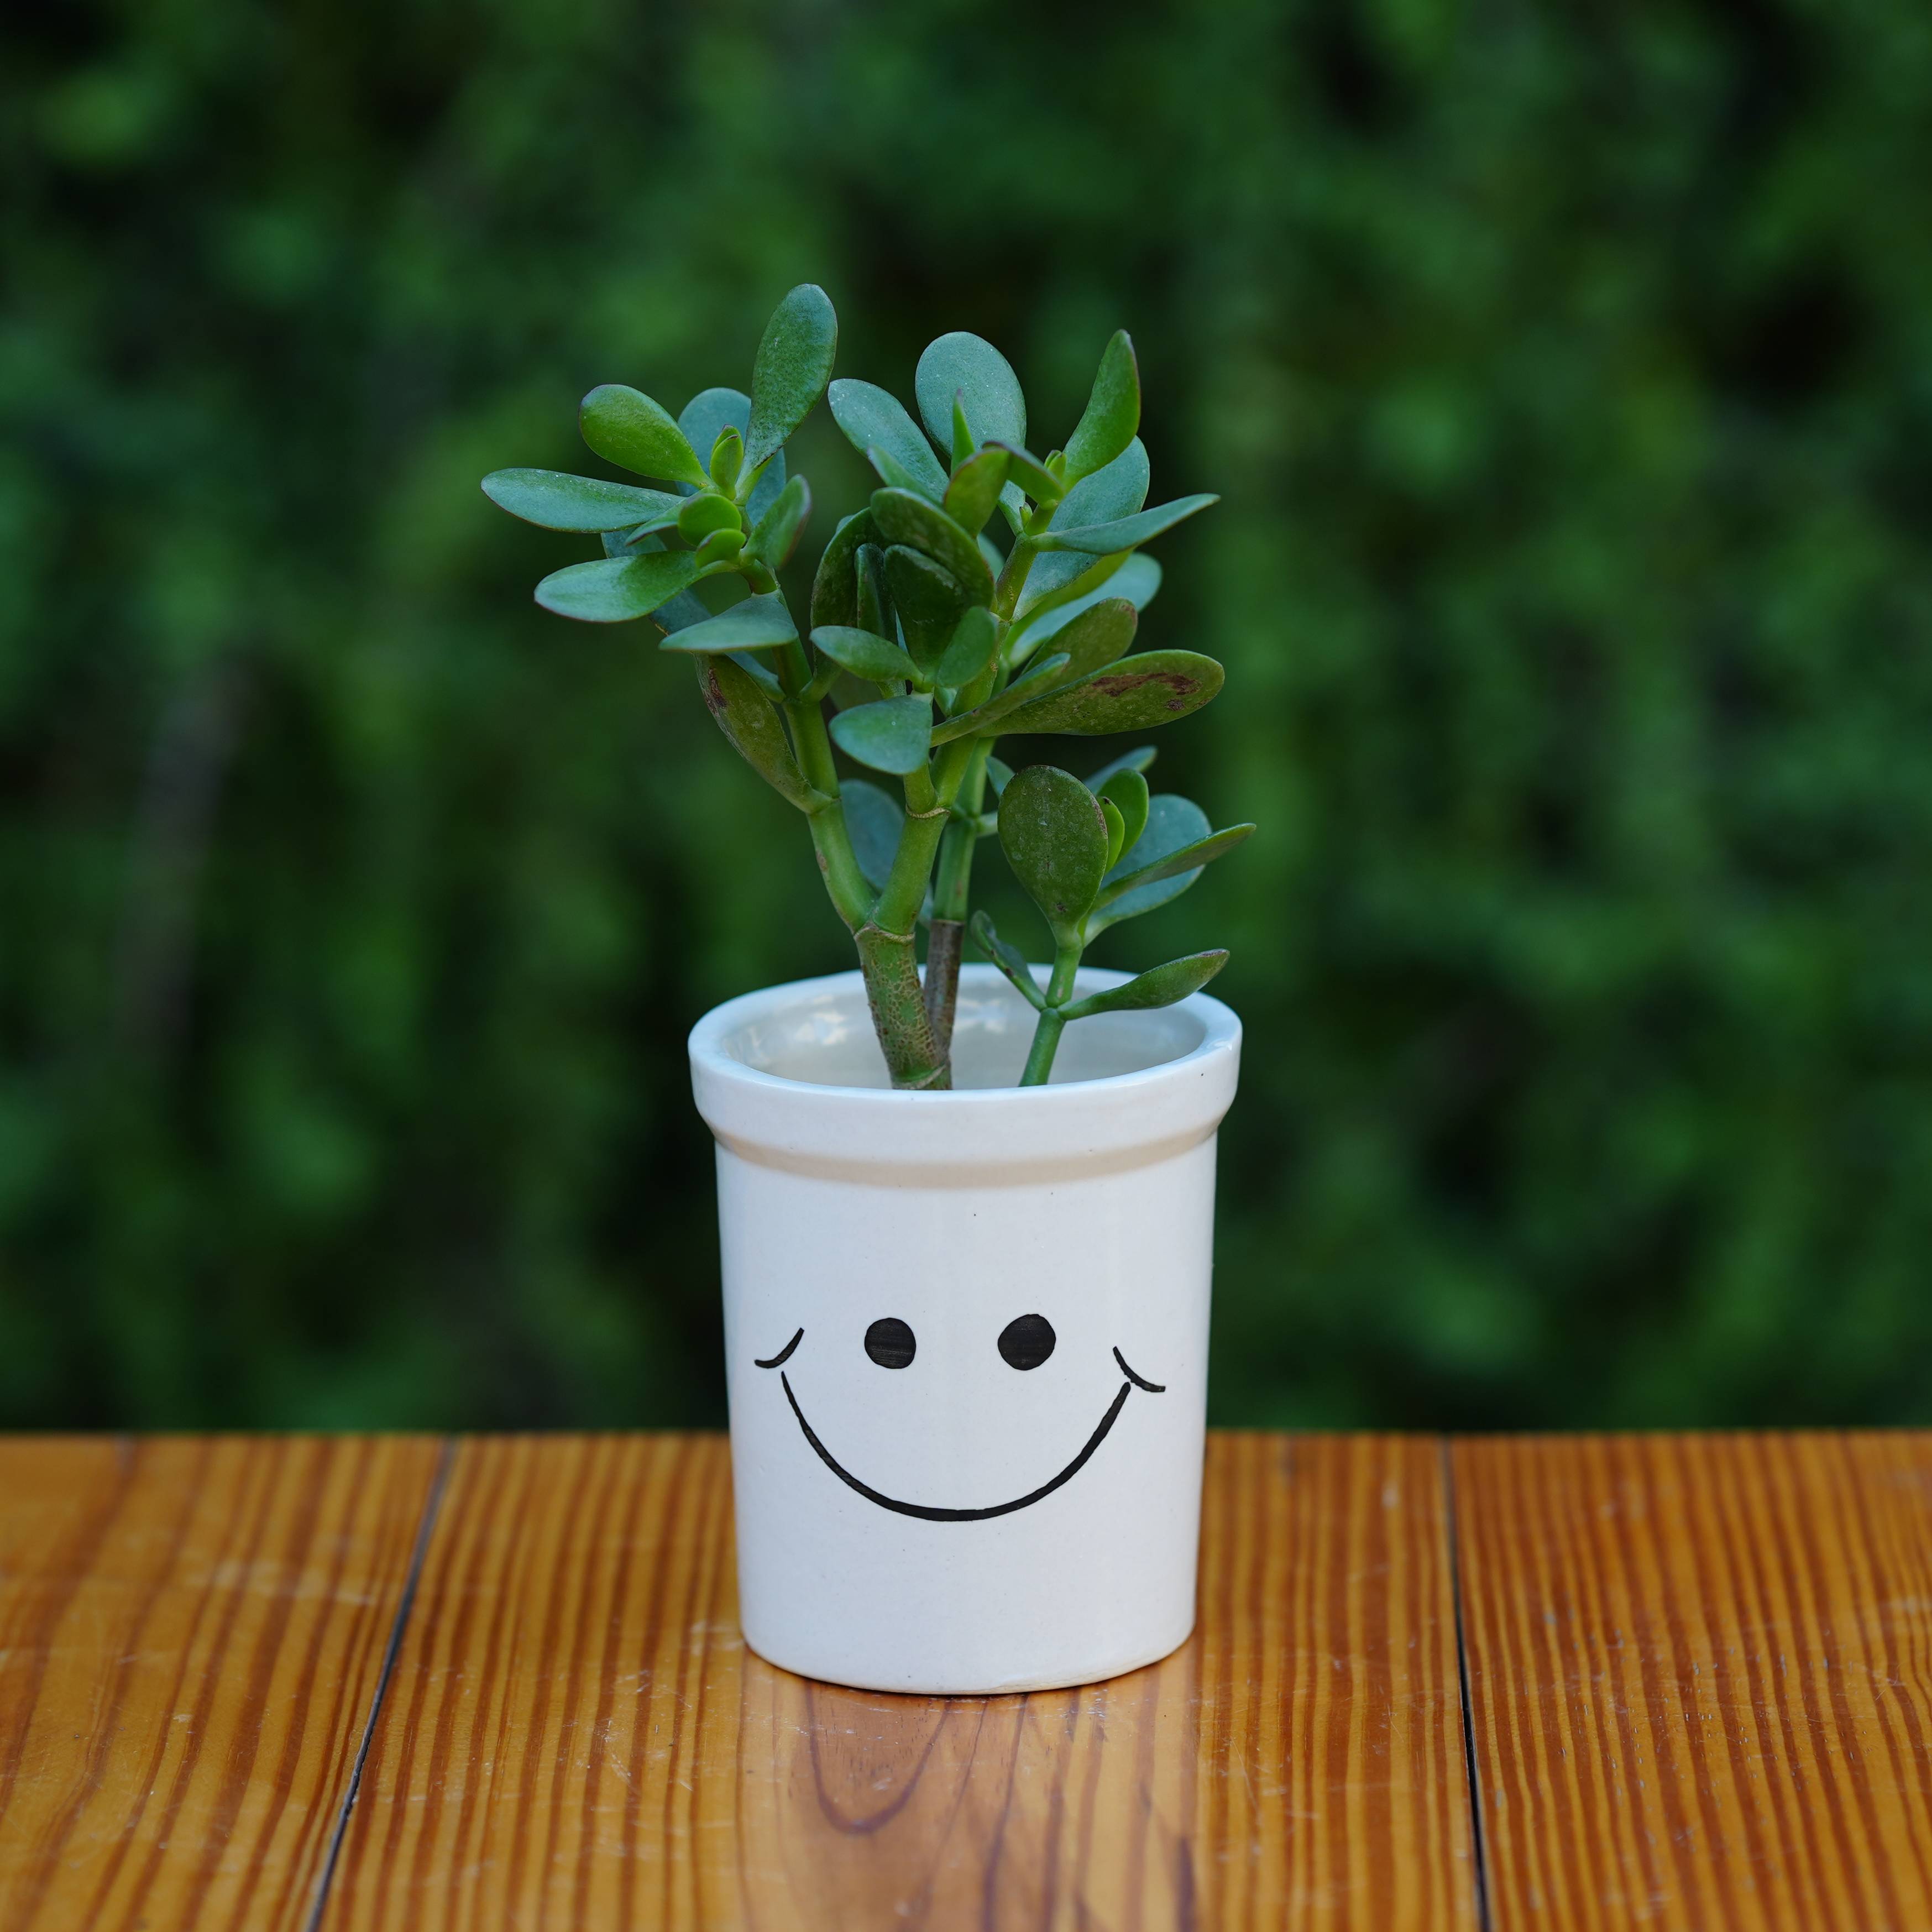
column 926, row 1510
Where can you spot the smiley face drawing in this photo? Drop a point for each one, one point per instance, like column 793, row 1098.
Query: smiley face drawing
column 1023, row 1343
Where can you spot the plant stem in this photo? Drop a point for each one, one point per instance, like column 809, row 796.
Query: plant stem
column 951, row 893
column 1045, row 1043
column 913, row 1054
column 845, row 885
column 1052, row 1022
column 913, row 1057
column 944, row 944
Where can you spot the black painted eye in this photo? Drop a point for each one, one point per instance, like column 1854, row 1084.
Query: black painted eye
column 889, row 1342
column 1026, row 1340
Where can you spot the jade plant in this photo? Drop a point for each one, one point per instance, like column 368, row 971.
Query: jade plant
column 927, row 641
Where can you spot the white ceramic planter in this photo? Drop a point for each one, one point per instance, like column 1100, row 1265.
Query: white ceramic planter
column 966, row 1334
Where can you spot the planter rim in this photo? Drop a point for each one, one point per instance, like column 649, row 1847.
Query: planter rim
column 964, row 1137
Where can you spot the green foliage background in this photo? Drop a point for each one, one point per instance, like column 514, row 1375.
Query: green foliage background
column 1568, row 374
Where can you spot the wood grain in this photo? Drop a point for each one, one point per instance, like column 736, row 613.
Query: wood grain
column 191, row 1634
column 575, row 1735
column 1700, row 1673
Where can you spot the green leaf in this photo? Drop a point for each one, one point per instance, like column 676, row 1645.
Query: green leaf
column 627, row 427
column 1137, row 760
column 676, row 613
column 1113, row 412
column 1174, row 824
column 1128, row 789
column 972, row 370
column 555, row 501
column 835, row 589
column 699, row 515
column 776, row 534
column 872, row 418
column 1116, row 829
column 1159, row 986
column 1054, row 836
column 726, row 460
column 979, row 722
column 998, row 772
column 1134, row 576
column 707, row 415
column 722, row 549
column 745, row 716
column 1152, row 688
column 1190, row 859
column 866, row 654
column 927, row 600
column 710, row 413
column 1117, row 491
column 890, row 736
column 975, row 638
column 905, row 518
column 892, row 473
column 757, row 624
column 1032, row 475
column 875, row 601
column 975, row 489
column 1097, row 637
column 1009, row 959
column 962, row 434
column 613, row 589
column 761, row 675
column 1125, row 532
column 873, row 821
column 793, row 364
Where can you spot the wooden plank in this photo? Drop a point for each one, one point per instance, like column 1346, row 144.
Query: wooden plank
column 1700, row 1672
column 190, row 1635
column 575, row 1735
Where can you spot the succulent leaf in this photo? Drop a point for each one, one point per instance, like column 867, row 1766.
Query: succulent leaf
column 707, row 415
column 874, row 820
column 835, row 589
column 747, row 719
column 891, row 735
column 865, row 654
column 627, row 427
column 1127, row 789
column 970, row 370
column 1124, row 532
column 1113, row 412
column 926, row 599
column 555, row 500
column 756, row 624
column 974, row 491
column 1108, row 495
column 793, row 364
column 874, row 419
column 1159, row 986
column 905, row 517
column 1009, row 959
column 776, row 533
column 1149, row 688
column 1054, row 836
column 613, row 589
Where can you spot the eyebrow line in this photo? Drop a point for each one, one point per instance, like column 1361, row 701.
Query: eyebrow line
column 784, row 1355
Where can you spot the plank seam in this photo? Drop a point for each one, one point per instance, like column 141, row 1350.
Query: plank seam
column 1478, row 1843
column 399, row 1623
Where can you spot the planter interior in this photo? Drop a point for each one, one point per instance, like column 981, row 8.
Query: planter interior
column 824, row 1038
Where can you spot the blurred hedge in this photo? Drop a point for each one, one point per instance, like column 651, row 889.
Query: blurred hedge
column 1568, row 372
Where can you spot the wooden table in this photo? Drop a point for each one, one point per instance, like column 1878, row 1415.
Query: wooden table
column 364, row 1682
